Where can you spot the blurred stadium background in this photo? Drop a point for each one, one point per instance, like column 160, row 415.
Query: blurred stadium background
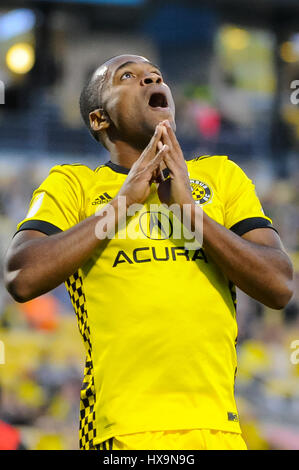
column 232, row 66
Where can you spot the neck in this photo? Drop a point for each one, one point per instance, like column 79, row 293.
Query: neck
column 124, row 154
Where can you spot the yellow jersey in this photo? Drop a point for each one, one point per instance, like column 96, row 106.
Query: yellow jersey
column 158, row 319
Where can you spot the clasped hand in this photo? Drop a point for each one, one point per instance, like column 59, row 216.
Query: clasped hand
column 163, row 151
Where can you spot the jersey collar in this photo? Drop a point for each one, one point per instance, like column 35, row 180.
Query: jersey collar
column 125, row 171
column 117, row 168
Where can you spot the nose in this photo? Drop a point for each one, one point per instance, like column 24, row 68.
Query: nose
column 150, row 78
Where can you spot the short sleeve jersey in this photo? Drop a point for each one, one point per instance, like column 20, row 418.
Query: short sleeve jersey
column 158, row 317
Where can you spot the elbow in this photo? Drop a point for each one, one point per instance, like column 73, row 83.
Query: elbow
column 17, row 287
column 17, row 293
column 284, row 290
column 282, row 297
column 17, row 297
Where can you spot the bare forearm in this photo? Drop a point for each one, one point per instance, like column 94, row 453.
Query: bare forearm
column 36, row 264
column 263, row 272
column 258, row 265
column 41, row 264
column 45, row 263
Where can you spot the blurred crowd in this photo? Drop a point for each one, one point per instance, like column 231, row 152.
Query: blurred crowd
column 43, row 365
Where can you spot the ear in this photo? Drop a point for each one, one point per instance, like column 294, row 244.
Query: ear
column 98, row 120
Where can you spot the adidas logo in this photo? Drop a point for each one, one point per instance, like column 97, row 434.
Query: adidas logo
column 102, row 199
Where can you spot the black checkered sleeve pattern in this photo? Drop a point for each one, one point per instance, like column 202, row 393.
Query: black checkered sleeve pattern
column 232, row 289
column 87, row 429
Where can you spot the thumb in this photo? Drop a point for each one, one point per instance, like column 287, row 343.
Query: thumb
column 155, row 162
column 154, row 165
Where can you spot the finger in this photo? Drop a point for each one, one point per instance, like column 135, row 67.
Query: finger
column 159, row 172
column 154, row 168
column 156, row 137
column 166, row 138
column 154, row 164
column 175, row 144
column 155, row 175
column 150, row 150
column 169, row 138
column 159, row 175
column 170, row 163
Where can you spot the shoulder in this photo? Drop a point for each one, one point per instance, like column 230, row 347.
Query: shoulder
column 212, row 166
column 208, row 161
column 76, row 169
column 220, row 165
column 75, row 174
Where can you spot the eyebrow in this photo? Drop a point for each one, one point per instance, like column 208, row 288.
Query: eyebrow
column 132, row 62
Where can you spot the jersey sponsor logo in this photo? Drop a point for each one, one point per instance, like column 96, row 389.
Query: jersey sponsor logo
column 146, row 254
column 102, row 199
column 156, row 225
column 201, row 192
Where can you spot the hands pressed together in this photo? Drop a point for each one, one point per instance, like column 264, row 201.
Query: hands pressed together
column 163, row 151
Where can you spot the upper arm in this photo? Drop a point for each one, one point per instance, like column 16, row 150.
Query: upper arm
column 270, row 238
column 16, row 256
column 264, row 236
column 55, row 206
column 244, row 214
column 24, row 236
column 18, row 240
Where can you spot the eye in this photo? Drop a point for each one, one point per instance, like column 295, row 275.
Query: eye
column 126, row 75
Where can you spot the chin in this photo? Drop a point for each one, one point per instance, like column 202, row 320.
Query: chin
column 151, row 123
column 149, row 127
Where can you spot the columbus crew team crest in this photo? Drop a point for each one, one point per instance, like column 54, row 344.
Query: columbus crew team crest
column 201, row 192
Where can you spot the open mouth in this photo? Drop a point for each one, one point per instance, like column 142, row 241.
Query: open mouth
column 158, row 100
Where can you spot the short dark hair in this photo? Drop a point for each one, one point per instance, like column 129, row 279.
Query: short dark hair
column 89, row 98
column 89, row 101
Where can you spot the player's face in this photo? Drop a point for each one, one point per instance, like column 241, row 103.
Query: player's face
column 136, row 97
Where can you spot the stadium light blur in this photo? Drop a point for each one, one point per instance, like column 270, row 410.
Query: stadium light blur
column 295, row 42
column 20, row 58
column 288, row 53
column 16, row 22
column 234, row 38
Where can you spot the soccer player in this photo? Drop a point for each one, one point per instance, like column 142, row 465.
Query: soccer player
column 157, row 315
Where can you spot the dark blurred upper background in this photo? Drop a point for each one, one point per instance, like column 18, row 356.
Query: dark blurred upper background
column 233, row 67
